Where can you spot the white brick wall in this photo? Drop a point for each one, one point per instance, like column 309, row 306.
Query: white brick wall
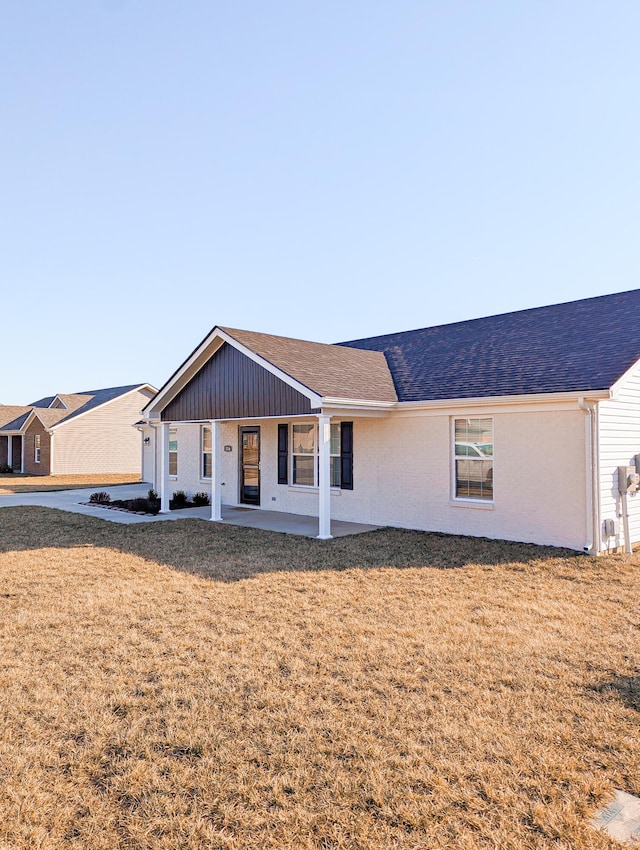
column 402, row 476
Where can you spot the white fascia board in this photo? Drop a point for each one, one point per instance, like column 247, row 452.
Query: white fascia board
column 337, row 406
column 184, row 373
column 203, row 353
column 74, row 418
column 623, row 379
column 506, row 404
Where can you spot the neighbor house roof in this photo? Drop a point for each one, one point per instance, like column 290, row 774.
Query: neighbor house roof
column 329, row 370
column 573, row 347
column 10, row 413
column 77, row 403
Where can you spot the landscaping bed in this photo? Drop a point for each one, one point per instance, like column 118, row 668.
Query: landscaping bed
column 149, row 504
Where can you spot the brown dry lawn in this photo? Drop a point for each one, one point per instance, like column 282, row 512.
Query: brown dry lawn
column 19, row 483
column 189, row 685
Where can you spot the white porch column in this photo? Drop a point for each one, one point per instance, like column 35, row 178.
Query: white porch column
column 216, row 489
column 164, row 468
column 324, row 477
column 10, row 450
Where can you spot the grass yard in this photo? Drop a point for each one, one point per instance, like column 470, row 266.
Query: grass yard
column 193, row 685
column 17, row 482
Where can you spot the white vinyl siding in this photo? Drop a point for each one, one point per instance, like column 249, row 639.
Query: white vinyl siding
column 103, row 440
column 619, row 442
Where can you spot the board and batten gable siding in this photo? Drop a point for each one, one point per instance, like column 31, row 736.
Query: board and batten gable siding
column 619, row 442
column 104, row 440
column 232, row 386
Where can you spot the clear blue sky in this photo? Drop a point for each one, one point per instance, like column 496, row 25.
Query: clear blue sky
column 327, row 170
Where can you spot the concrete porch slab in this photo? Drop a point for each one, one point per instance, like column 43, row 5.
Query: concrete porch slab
column 72, row 500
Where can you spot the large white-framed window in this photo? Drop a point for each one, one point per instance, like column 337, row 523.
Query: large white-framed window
column 206, row 452
column 473, row 458
column 305, row 454
column 36, row 448
column 173, row 452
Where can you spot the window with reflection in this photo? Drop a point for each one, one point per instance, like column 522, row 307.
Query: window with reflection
column 173, row 451
column 305, row 454
column 473, row 456
column 206, row 452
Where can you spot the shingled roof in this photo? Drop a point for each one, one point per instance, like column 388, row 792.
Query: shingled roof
column 11, row 413
column 77, row 403
column 573, row 347
column 329, row 370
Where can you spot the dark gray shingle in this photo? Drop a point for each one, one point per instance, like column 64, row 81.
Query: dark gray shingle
column 577, row 346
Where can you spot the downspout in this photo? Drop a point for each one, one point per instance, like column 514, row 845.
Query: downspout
column 50, row 433
column 592, row 466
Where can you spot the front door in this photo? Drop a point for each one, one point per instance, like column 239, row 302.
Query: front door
column 250, row 465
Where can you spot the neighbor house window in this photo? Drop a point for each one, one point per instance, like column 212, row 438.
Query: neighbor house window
column 206, row 452
column 36, row 451
column 473, row 458
column 305, row 455
column 173, row 451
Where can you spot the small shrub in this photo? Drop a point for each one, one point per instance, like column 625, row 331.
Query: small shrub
column 152, row 496
column 100, row 498
column 5, row 469
column 179, row 499
column 139, row 505
column 201, row 499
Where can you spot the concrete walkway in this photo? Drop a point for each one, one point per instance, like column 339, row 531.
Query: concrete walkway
column 72, row 500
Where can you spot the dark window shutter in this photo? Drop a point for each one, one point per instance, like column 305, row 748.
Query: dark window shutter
column 283, row 454
column 346, row 455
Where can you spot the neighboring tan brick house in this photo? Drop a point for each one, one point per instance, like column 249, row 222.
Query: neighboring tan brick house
column 512, row 426
column 75, row 433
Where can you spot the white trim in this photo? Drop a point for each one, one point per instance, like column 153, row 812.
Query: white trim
column 57, row 398
column 216, row 472
column 164, row 469
column 593, row 545
column 324, row 477
column 615, row 388
column 474, row 504
column 547, row 401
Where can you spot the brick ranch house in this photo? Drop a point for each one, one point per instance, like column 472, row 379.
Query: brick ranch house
column 75, row 433
column 511, row 426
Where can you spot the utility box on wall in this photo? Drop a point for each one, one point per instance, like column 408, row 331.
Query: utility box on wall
column 628, row 479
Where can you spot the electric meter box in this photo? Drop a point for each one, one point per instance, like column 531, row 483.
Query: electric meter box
column 628, row 479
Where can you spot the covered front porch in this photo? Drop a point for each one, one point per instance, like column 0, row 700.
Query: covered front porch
column 261, row 421
column 12, row 451
column 242, row 469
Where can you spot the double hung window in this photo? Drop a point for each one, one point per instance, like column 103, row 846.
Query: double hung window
column 36, row 448
column 305, row 454
column 206, row 464
column 473, row 458
column 173, row 451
